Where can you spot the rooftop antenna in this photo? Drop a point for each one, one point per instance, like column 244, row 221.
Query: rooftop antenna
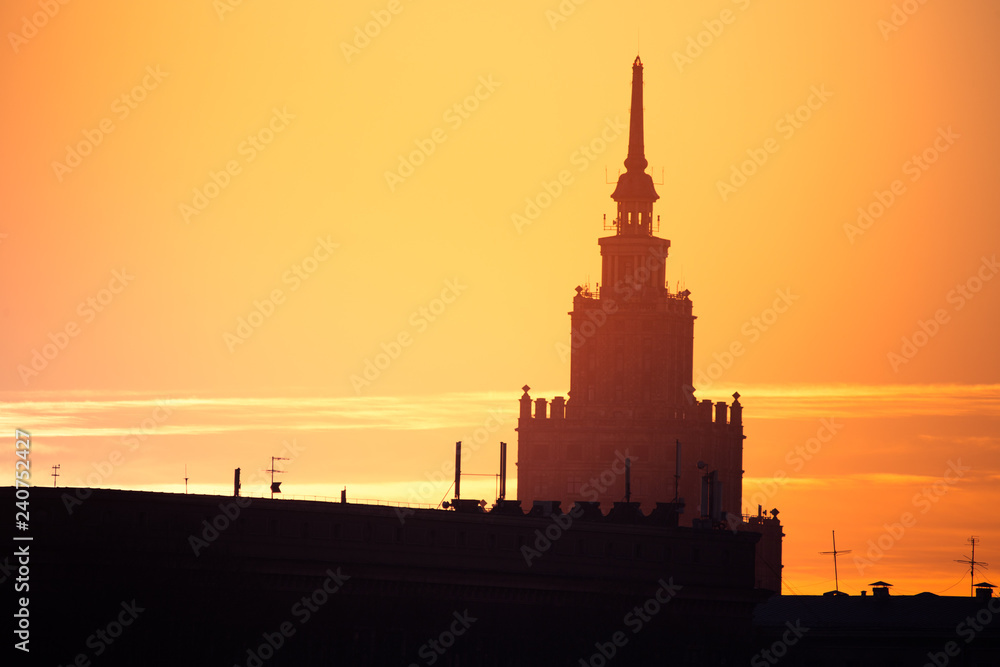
column 972, row 562
column 836, row 580
column 502, row 495
column 628, row 479
column 275, row 486
column 677, row 473
column 55, row 474
column 458, row 469
column 185, row 478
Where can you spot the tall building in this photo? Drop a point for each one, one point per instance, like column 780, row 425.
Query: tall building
column 632, row 349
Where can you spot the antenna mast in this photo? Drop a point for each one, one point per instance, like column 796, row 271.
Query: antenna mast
column 275, row 486
column 55, row 474
column 972, row 562
column 836, row 579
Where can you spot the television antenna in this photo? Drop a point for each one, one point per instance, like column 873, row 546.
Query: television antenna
column 835, row 553
column 972, row 562
column 275, row 486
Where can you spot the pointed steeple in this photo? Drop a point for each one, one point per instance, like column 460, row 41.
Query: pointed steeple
column 635, row 193
column 636, row 160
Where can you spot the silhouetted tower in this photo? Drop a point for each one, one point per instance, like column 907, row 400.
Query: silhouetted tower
column 641, row 359
column 630, row 398
column 631, row 359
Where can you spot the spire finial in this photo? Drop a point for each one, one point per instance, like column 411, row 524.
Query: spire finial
column 636, row 160
column 635, row 184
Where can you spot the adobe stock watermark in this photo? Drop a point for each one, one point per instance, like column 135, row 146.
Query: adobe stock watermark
column 581, row 158
column 967, row 630
column 545, row 539
column 455, row 116
column 787, row 126
column 424, row 492
column 797, row 457
column 419, row 320
column 121, row 107
column 592, row 489
column 927, row 329
column 432, row 650
column 635, row 620
column 365, row 33
column 302, row 611
column 779, row 648
column 915, row 167
column 223, row 7
column 752, row 330
column 102, row 638
column 609, row 305
column 231, row 510
column 249, row 149
column 30, row 25
column 6, row 569
column 696, row 44
column 105, row 468
column 899, row 16
column 88, row 309
column 924, row 501
column 294, row 277
column 562, row 12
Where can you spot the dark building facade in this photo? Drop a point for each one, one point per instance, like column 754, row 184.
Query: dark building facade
column 139, row 578
column 877, row 630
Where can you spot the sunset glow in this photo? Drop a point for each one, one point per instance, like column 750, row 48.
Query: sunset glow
column 352, row 232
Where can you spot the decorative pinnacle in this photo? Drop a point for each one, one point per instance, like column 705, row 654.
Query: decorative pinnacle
column 635, row 184
column 636, row 160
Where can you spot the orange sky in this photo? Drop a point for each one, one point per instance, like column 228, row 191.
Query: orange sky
column 171, row 171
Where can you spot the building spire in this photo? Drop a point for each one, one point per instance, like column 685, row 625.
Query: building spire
column 636, row 160
column 635, row 184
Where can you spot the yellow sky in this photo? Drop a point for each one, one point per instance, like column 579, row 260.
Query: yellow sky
column 381, row 234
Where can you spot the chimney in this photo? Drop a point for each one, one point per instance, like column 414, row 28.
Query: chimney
column 984, row 590
column 880, row 590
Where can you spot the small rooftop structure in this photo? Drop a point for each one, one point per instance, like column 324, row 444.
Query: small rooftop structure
column 984, row 589
column 880, row 589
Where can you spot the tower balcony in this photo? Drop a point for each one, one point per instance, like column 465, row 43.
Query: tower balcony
column 618, row 226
